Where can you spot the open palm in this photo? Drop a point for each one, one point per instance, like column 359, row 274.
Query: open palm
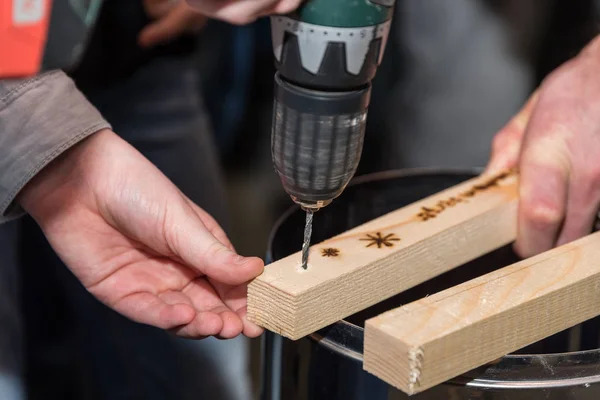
column 138, row 244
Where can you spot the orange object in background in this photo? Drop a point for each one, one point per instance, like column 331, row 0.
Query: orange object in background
column 23, row 34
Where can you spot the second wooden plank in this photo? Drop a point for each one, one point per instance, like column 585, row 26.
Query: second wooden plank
column 429, row 341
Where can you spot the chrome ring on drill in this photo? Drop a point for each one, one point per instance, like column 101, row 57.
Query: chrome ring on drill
column 313, row 41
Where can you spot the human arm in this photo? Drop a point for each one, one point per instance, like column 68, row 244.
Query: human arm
column 138, row 244
column 555, row 142
column 40, row 117
column 122, row 228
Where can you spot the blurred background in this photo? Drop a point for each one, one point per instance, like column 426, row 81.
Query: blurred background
column 453, row 74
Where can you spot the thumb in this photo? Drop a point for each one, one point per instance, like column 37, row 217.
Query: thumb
column 189, row 238
column 507, row 143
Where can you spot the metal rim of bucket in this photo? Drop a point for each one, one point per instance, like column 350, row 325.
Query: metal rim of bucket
column 487, row 378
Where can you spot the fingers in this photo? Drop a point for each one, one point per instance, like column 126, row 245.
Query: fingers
column 139, row 273
column 190, row 240
column 554, row 139
column 542, row 208
column 233, row 297
column 582, row 205
column 250, row 330
column 506, row 146
column 282, row 7
column 204, row 324
column 221, row 310
column 555, row 207
column 158, row 8
column 196, row 312
column 206, row 300
column 241, row 12
column 287, row 6
column 212, row 225
column 544, row 183
column 178, row 21
column 236, row 299
column 147, row 308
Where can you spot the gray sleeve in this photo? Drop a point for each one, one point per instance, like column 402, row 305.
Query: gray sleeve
column 40, row 118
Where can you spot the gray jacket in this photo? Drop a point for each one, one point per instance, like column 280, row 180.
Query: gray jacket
column 44, row 115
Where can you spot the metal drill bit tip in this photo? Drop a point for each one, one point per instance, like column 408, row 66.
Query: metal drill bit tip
column 307, row 235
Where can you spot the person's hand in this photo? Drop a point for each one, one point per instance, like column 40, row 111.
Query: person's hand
column 138, row 244
column 241, row 12
column 554, row 141
column 171, row 19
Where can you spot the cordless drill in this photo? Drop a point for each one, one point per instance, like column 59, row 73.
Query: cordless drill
column 326, row 53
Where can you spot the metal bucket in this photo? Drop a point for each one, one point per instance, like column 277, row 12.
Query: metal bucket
column 328, row 364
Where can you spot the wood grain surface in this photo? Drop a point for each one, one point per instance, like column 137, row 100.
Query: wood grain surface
column 436, row 338
column 383, row 257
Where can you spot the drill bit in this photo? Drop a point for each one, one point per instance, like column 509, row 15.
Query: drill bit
column 307, row 235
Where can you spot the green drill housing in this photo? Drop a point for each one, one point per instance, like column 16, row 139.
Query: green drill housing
column 331, row 44
column 343, row 13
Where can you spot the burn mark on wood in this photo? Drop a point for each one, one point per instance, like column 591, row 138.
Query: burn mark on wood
column 330, row 252
column 379, row 240
column 428, row 213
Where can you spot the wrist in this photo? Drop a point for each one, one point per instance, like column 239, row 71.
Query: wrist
column 49, row 190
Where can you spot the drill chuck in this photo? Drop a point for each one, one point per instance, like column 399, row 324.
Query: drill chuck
column 317, row 140
column 326, row 54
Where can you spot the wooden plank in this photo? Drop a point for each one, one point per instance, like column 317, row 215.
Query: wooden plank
column 436, row 338
column 385, row 256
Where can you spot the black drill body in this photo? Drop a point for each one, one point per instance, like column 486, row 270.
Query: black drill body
column 326, row 54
